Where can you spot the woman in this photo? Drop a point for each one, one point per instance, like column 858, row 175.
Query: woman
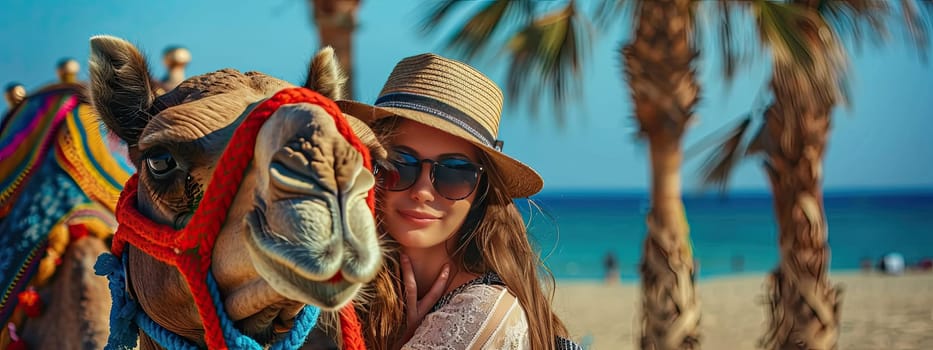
column 446, row 211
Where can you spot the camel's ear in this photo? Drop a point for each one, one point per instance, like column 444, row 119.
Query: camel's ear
column 325, row 75
column 120, row 86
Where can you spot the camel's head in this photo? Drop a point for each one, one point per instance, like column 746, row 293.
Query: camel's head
column 298, row 231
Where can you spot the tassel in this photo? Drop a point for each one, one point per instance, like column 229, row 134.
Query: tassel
column 124, row 333
column 77, row 231
column 30, row 302
column 17, row 343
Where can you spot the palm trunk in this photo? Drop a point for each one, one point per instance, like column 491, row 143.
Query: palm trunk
column 671, row 312
column 336, row 23
column 805, row 307
column 659, row 68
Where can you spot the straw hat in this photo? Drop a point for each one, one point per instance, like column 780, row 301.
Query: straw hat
column 455, row 98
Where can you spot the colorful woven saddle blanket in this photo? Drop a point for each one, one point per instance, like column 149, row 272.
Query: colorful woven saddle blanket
column 58, row 120
column 60, row 171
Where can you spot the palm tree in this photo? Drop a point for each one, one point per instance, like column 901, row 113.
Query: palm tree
column 659, row 68
column 807, row 82
column 336, row 21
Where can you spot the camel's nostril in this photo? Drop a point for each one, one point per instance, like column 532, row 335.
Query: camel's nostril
column 291, row 178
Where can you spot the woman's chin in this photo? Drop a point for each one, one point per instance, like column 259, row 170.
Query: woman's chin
column 418, row 239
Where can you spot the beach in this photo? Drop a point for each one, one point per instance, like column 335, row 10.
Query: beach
column 878, row 311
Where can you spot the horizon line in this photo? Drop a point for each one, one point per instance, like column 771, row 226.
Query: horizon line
column 630, row 191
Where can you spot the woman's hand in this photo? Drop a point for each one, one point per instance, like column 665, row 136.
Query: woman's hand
column 416, row 308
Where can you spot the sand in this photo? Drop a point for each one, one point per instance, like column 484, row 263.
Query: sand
column 878, row 312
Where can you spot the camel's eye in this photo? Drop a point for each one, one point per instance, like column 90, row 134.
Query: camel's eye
column 161, row 163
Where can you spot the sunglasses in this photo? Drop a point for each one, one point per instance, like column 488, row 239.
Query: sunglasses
column 453, row 178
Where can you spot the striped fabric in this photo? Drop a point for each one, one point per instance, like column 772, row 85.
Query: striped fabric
column 25, row 140
column 48, row 197
column 59, row 168
column 94, row 158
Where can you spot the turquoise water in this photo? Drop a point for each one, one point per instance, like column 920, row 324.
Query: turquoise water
column 579, row 229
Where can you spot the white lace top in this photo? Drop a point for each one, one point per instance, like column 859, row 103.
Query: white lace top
column 480, row 316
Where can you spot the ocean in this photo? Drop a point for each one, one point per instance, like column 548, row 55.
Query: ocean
column 731, row 235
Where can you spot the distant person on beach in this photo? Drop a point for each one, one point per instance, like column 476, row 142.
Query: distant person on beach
column 461, row 272
column 738, row 263
column 925, row 264
column 612, row 269
column 866, row 264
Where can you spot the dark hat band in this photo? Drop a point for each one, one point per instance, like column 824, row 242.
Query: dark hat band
column 440, row 109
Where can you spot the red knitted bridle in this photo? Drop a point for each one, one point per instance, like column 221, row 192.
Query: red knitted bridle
column 190, row 249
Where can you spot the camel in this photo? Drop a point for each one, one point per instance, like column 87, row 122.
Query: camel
column 299, row 229
column 51, row 267
column 61, row 174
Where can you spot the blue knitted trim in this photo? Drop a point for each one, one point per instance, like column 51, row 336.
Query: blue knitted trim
column 235, row 340
column 126, row 317
column 124, row 331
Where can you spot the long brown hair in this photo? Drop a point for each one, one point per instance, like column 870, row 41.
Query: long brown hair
column 493, row 238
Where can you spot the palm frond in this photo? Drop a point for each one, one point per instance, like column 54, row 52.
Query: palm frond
column 779, row 27
column 926, row 6
column 717, row 168
column 607, row 12
column 437, row 13
column 475, row 35
column 809, row 62
column 926, row 15
column 917, row 21
column 548, row 53
column 732, row 56
column 758, row 143
column 858, row 20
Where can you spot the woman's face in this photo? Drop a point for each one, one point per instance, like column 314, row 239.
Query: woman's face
column 419, row 217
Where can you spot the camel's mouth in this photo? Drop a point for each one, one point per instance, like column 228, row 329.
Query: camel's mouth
column 270, row 323
column 305, row 265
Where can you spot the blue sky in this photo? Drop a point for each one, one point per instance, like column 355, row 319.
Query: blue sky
column 883, row 141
